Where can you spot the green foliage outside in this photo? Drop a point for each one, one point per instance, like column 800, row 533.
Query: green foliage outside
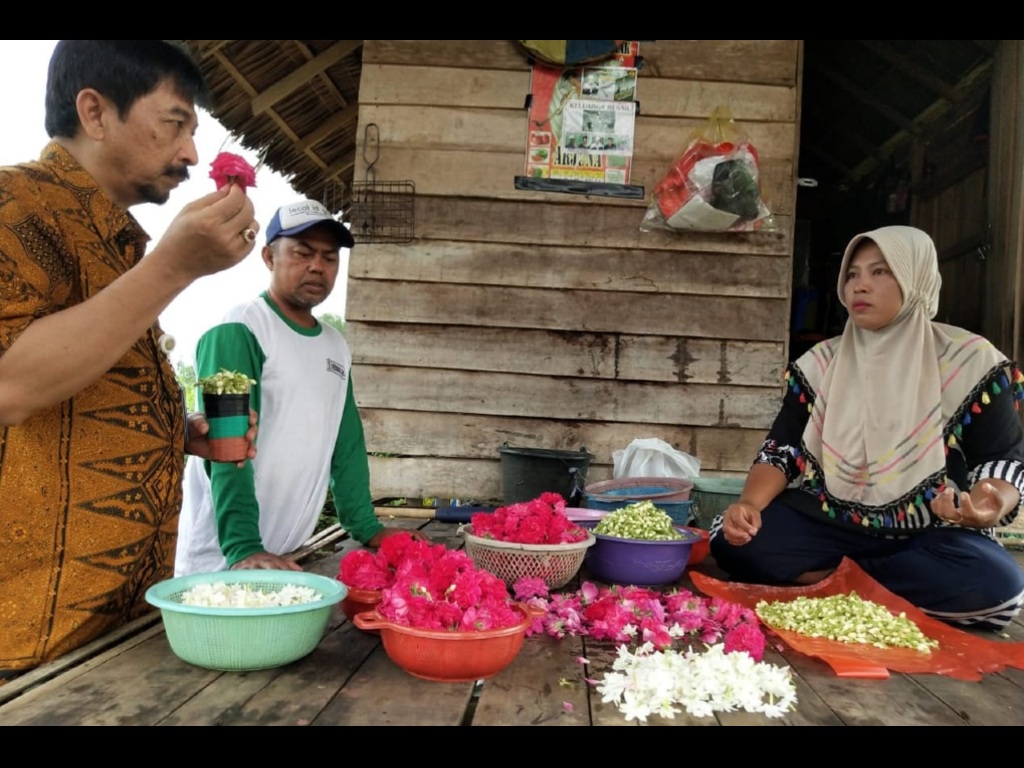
column 187, row 378
column 335, row 321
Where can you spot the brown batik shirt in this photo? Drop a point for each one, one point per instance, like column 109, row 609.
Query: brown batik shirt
column 90, row 488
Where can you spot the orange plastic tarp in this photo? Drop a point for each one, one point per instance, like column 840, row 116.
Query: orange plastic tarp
column 960, row 654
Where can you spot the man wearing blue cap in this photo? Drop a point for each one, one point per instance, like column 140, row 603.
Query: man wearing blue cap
column 311, row 436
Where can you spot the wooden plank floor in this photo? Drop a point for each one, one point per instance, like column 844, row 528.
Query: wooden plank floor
column 823, row 698
column 349, row 680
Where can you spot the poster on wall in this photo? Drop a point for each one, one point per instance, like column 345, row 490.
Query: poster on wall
column 581, row 126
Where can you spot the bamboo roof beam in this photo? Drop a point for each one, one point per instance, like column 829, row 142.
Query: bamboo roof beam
column 246, row 86
column 303, row 75
column 908, row 67
column 864, row 96
column 338, row 120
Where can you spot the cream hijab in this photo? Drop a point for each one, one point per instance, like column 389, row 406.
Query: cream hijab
column 884, row 397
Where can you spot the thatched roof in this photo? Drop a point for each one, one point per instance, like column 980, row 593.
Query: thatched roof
column 866, row 102
column 293, row 101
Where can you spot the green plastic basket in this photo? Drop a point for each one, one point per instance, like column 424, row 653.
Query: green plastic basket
column 712, row 495
column 243, row 639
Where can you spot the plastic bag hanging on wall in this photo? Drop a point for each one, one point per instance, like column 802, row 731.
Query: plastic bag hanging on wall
column 714, row 185
column 381, row 211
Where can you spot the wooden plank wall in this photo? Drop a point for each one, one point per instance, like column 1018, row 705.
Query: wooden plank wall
column 549, row 320
column 979, row 203
column 1004, row 320
column 957, row 217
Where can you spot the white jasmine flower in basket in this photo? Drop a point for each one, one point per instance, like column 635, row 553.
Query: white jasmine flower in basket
column 223, row 595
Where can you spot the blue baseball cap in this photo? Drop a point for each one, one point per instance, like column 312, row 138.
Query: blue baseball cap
column 290, row 220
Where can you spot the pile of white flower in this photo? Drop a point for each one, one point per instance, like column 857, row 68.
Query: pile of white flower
column 220, row 594
column 660, row 683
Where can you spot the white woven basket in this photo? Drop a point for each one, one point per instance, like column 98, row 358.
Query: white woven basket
column 556, row 564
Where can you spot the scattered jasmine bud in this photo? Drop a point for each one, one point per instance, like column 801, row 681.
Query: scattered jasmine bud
column 847, row 619
column 226, row 382
column 642, row 521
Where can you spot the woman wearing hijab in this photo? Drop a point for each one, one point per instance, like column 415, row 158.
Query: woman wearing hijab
column 898, row 445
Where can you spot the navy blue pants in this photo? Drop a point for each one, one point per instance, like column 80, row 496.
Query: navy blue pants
column 950, row 573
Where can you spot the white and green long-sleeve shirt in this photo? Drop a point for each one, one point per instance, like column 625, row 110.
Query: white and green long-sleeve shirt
column 310, row 439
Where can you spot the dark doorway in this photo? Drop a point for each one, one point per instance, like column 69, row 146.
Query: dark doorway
column 885, row 126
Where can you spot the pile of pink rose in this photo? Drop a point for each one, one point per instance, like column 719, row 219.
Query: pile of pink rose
column 718, row 664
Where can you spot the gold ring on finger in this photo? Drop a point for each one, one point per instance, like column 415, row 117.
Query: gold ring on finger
column 248, row 234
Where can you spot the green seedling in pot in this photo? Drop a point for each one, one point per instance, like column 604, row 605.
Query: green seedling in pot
column 226, row 403
column 226, row 382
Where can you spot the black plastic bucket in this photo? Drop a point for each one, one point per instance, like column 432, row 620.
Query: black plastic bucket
column 526, row 473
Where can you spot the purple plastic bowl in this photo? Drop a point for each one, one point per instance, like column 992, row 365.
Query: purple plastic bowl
column 641, row 563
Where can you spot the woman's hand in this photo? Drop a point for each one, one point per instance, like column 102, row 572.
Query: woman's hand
column 740, row 523
column 980, row 508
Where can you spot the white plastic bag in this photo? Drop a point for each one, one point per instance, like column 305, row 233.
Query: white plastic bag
column 652, row 457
